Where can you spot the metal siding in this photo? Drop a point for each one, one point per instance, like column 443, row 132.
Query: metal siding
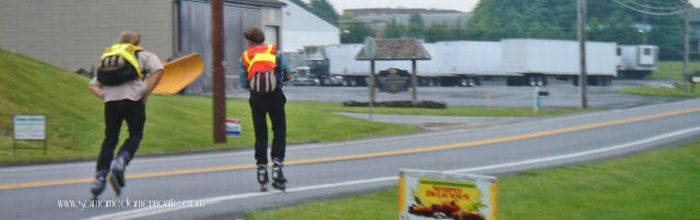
column 72, row 33
column 195, row 32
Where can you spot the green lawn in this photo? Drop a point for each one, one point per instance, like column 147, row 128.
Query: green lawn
column 668, row 70
column 658, row 184
column 666, row 92
column 673, row 70
column 462, row 111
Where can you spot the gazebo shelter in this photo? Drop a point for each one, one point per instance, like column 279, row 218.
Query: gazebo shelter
column 395, row 49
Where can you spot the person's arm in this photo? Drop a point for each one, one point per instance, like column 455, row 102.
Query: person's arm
column 151, row 84
column 282, row 66
column 242, row 75
column 95, row 88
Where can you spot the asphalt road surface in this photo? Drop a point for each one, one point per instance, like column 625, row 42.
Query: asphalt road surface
column 224, row 182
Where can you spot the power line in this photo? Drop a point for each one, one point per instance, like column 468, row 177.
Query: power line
column 647, row 8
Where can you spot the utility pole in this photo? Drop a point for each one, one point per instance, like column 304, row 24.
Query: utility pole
column 583, row 76
column 219, row 84
column 686, row 46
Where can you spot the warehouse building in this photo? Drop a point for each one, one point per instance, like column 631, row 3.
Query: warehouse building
column 302, row 28
column 72, row 34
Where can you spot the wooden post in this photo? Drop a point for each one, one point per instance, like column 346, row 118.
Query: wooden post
column 372, row 85
column 218, row 76
column 414, row 83
column 686, row 46
column 583, row 75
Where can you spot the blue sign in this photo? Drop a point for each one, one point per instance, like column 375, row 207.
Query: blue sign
column 233, row 127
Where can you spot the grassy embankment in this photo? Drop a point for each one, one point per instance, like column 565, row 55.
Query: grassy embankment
column 668, row 70
column 659, row 184
column 174, row 123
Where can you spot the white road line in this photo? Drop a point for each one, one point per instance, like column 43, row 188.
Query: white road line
column 140, row 213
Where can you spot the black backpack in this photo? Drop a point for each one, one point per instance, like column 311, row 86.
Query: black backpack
column 115, row 69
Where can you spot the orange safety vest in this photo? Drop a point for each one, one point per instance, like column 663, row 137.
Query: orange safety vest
column 260, row 58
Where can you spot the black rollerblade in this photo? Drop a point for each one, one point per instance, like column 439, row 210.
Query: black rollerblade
column 278, row 180
column 116, row 177
column 262, row 177
column 99, row 185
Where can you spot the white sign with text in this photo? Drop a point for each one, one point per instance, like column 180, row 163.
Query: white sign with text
column 29, row 127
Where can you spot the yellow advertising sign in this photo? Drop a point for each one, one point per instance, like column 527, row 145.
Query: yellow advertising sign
column 435, row 195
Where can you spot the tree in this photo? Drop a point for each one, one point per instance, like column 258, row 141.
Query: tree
column 355, row 31
column 394, row 30
column 415, row 26
column 556, row 19
column 324, row 10
column 300, row 3
column 438, row 32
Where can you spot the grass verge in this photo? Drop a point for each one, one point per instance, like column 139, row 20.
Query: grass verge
column 462, row 111
column 673, row 70
column 658, row 184
column 665, row 92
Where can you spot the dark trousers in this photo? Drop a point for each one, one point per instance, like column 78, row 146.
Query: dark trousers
column 273, row 104
column 134, row 112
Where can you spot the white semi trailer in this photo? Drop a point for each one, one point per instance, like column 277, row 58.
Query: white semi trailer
column 453, row 63
column 637, row 61
column 463, row 63
column 534, row 59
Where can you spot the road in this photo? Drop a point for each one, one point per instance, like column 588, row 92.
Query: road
column 224, row 181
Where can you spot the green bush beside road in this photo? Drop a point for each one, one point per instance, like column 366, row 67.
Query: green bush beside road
column 659, row 184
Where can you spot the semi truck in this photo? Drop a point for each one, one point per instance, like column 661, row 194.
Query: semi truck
column 521, row 62
column 453, row 63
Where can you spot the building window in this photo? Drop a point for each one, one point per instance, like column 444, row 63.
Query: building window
column 647, row 51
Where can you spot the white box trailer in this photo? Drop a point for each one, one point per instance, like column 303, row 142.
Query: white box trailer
column 637, row 61
column 459, row 63
column 453, row 63
column 534, row 59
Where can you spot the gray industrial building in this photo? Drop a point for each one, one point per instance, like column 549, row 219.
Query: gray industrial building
column 72, row 34
column 377, row 18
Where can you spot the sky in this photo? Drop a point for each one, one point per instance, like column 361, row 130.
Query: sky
column 460, row 5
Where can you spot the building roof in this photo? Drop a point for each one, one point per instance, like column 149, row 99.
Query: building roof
column 396, row 49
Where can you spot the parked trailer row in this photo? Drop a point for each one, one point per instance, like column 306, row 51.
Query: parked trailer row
column 465, row 63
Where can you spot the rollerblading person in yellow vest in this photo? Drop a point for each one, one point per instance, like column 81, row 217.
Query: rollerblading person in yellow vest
column 125, row 78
